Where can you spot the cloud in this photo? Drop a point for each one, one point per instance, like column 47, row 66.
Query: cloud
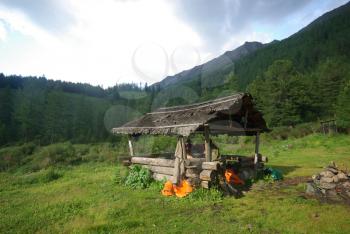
column 54, row 16
column 3, row 32
column 218, row 21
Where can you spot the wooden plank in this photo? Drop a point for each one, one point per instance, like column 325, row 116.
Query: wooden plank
column 131, row 148
column 257, row 142
column 207, row 175
column 205, row 184
column 210, row 166
column 160, row 170
column 161, row 177
column 153, row 161
column 207, row 143
column 192, row 173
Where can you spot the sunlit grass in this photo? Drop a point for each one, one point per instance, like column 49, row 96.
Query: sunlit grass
column 86, row 198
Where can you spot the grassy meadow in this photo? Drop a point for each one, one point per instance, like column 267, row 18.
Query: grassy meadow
column 52, row 190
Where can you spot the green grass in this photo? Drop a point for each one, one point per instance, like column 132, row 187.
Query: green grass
column 86, row 198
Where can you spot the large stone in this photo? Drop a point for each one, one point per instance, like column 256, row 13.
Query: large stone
column 325, row 185
column 335, row 179
column 326, row 180
column 327, row 174
column 346, row 185
column 312, row 189
column 342, row 176
column 333, row 170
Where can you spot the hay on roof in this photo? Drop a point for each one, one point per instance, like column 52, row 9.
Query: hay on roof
column 234, row 115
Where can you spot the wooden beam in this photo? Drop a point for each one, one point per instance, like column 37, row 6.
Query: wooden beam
column 160, row 177
column 210, row 166
column 153, row 161
column 131, row 148
column 207, row 144
column 257, row 142
column 179, row 164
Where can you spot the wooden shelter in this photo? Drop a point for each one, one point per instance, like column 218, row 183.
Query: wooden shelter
column 233, row 115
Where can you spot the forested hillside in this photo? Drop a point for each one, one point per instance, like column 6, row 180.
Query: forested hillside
column 46, row 111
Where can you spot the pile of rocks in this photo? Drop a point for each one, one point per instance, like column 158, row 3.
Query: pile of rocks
column 332, row 184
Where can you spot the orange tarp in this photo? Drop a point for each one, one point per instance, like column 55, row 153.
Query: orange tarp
column 181, row 190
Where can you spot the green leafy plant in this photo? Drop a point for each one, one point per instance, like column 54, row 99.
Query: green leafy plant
column 139, row 177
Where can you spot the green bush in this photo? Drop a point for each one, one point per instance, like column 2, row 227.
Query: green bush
column 138, row 177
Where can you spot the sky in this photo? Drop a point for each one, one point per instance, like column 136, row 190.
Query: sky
column 108, row 42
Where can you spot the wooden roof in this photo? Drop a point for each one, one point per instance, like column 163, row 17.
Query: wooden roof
column 234, row 115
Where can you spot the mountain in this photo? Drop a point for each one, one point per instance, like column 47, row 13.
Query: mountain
column 211, row 67
column 295, row 80
column 328, row 36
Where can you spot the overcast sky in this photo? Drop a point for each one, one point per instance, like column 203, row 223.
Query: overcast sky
column 104, row 42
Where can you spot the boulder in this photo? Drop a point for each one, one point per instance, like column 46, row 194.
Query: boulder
column 327, row 174
column 326, row 179
column 325, row 185
column 346, row 185
column 333, row 170
column 342, row 176
column 335, row 179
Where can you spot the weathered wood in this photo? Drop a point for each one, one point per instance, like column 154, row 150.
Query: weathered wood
column 210, row 166
column 192, row 173
column 179, row 164
column 207, row 143
column 153, row 161
column 160, row 170
column 131, row 148
column 257, row 142
column 126, row 162
column 194, row 162
column 205, row 184
column 207, row 175
column 194, row 181
column 161, row 177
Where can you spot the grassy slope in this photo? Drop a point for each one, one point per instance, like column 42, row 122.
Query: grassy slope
column 86, row 199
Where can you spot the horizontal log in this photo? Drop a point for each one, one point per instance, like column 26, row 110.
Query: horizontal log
column 161, row 177
column 194, row 181
column 205, row 184
column 210, row 166
column 194, row 162
column 192, row 173
column 153, row 161
column 207, row 175
column 264, row 159
column 160, row 170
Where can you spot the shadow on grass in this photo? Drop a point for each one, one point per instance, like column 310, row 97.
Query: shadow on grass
column 284, row 169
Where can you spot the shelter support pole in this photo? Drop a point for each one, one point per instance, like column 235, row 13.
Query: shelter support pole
column 257, row 142
column 179, row 164
column 131, row 148
column 207, row 144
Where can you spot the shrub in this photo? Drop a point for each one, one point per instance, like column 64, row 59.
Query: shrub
column 138, row 177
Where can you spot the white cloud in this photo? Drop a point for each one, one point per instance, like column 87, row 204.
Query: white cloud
column 99, row 47
column 3, row 32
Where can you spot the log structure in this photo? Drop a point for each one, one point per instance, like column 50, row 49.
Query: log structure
column 233, row 115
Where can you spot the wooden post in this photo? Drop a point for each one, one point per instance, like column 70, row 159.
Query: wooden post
column 257, row 142
column 207, row 144
column 131, row 148
column 179, row 163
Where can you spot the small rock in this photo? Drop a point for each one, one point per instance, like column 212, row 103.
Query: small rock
column 335, row 179
column 326, row 180
column 327, row 174
column 316, row 177
column 324, row 185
